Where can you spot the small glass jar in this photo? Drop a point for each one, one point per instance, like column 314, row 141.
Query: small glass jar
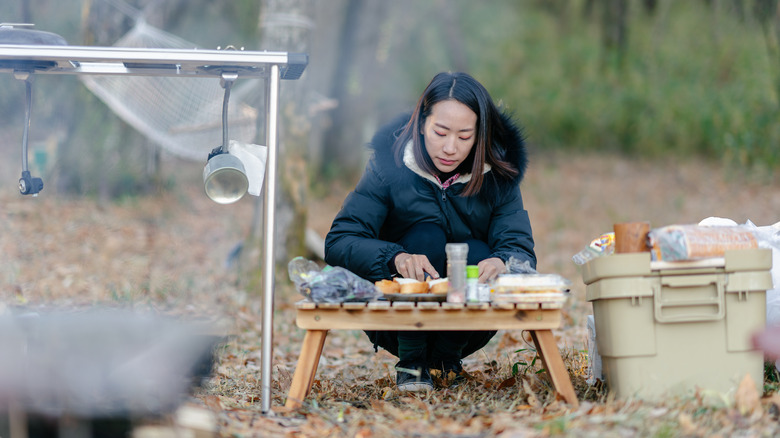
column 456, row 271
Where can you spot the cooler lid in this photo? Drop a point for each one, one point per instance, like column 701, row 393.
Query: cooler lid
column 639, row 264
column 616, row 265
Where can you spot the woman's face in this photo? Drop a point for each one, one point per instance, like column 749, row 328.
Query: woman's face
column 449, row 132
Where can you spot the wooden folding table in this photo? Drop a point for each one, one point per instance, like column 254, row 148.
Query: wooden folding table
column 539, row 318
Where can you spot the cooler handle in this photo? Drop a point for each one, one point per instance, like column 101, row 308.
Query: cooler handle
column 690, row 281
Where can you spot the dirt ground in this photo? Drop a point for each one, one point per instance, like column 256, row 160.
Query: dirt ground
column 171, row 253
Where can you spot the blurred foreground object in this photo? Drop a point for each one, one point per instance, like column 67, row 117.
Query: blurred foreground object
column 99, row 367
column 271, row 66
column 768, row 341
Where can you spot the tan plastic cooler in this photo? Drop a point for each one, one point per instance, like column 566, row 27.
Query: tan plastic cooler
column 667, row 328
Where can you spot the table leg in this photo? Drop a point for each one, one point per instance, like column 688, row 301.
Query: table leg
column 552, row 361
column 308, row 360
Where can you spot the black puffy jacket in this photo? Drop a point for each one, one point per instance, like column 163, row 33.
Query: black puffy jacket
column 389, row 199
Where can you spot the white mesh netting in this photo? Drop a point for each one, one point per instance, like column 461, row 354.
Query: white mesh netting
column 181, row 115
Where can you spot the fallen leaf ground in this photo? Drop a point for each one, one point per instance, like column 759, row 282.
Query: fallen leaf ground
column 169, row 253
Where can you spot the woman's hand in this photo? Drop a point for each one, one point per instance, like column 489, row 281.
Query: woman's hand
column 414, row 266
column 490, row 268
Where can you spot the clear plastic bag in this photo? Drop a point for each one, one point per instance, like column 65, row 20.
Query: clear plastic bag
column 692, row 242
column 516, row 266
column 769, row 237
column 329, row 284
column 595, row 373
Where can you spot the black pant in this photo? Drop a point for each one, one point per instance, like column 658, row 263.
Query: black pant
column 430, row 347
column 433, row 347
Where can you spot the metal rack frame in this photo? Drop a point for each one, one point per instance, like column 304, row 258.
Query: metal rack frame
column 23, row 60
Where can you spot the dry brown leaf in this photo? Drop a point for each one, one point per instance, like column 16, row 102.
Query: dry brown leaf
column 507, row 383
column 596, row 410
column 364, row 433
column 86, row 253
column 774, row 399
column 387, row 393
column 283, row 410
column 214, row 403
column 508, row 340
column 532, row 400
column 686, row 423
column 316, row 426
column 747, row 400
column 415, row 402
column 478, row 376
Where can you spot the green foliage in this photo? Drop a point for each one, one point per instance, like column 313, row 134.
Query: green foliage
column 696, row 81
column 694, row 85
column 522, row 367
column 771, row 378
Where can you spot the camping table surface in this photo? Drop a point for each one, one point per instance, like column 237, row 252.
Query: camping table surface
column 538, row 317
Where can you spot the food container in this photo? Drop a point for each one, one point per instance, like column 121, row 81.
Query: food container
column 530, row 287
column 666, row 328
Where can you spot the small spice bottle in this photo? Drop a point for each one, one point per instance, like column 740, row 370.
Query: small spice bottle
column 472, row 284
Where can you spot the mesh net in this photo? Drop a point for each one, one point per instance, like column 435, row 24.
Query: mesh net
column 181, row 115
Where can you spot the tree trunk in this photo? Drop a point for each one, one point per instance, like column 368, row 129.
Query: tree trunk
column 355, row 87
column 324, row 66
column 768, row 14
column 26, row 14
column 587, row 8
column 93, row 141
column 650, row 6
column 285, row 26
column 614, row 35
column 738, row 6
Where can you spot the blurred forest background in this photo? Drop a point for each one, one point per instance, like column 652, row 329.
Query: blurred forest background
column 650, row 79
column 657, row 110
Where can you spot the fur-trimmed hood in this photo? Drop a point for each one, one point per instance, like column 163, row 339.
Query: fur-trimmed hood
column 508, row 142
column 393, row 197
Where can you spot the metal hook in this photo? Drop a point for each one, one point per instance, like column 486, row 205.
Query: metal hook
column 226, row 82
column 27, row 184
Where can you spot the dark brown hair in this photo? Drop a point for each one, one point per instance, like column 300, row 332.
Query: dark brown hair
column 465, row 89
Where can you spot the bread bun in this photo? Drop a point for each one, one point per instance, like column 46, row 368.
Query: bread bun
column 412, row 286
column 388, row 286
column 400, row 285
column 438, row 286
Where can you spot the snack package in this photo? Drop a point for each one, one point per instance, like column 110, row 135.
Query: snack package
column 691, row 242
column 600, row 246
column 330, row 284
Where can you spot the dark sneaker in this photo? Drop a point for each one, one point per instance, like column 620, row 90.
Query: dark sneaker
column 413, row 379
